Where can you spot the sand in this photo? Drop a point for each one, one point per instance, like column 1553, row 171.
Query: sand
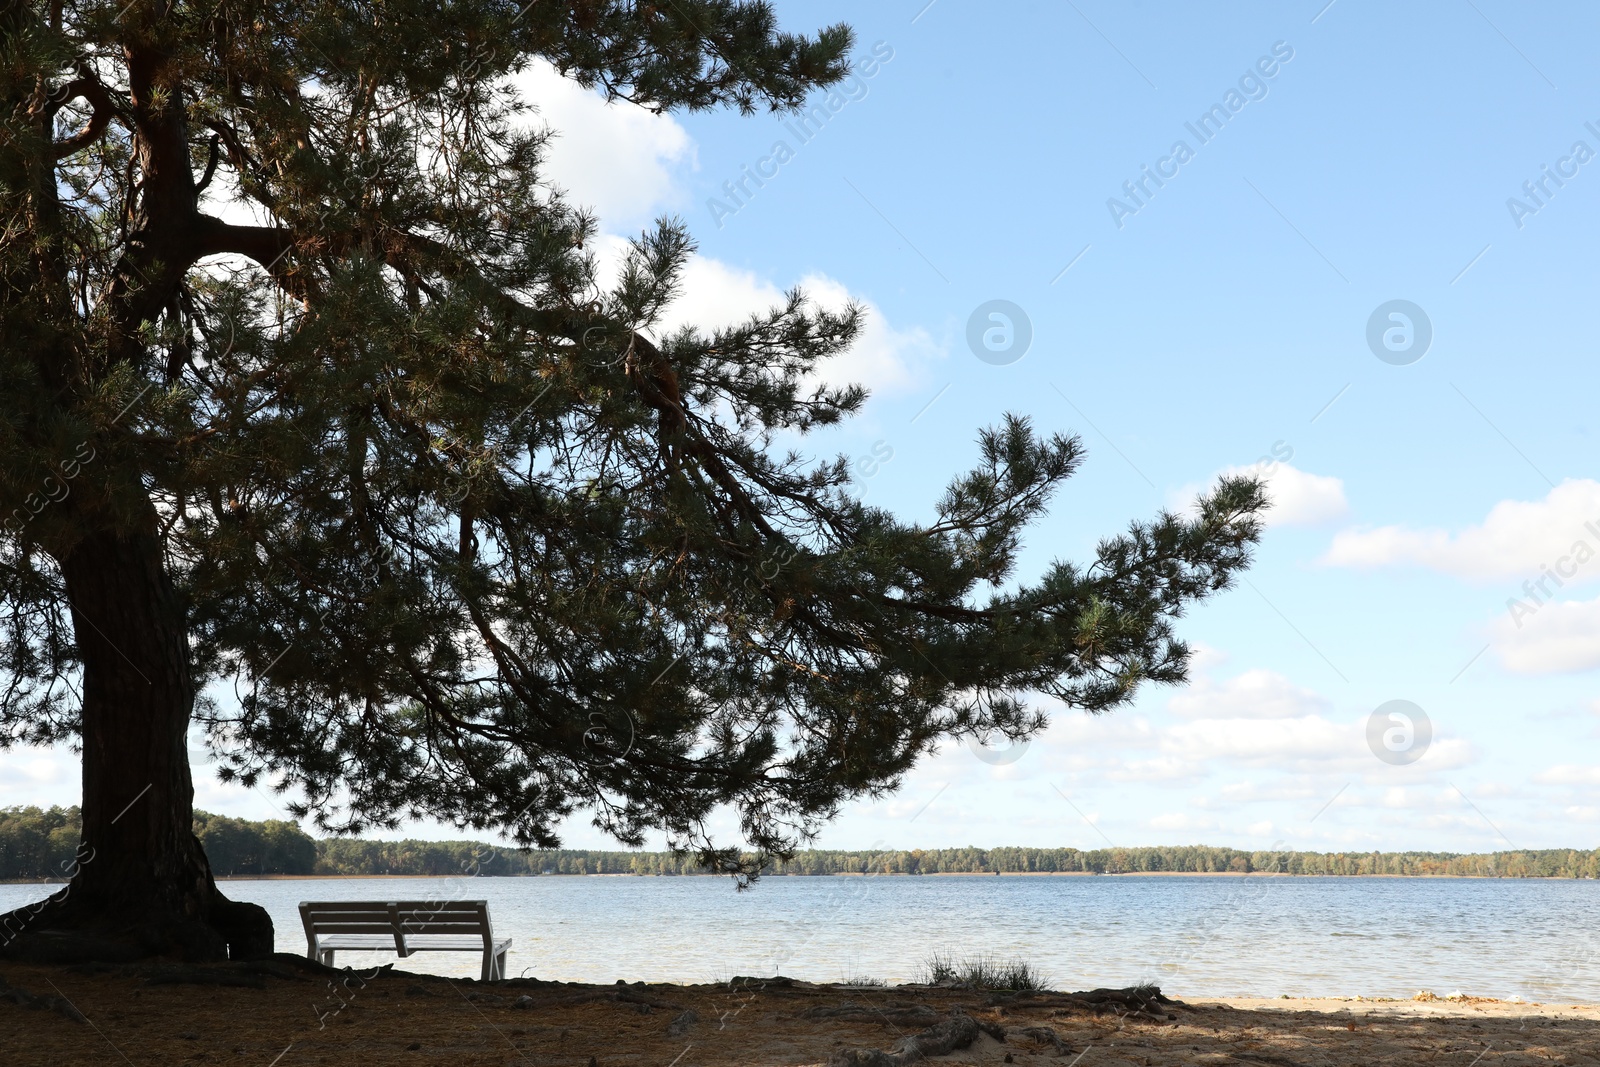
column 290, row 1013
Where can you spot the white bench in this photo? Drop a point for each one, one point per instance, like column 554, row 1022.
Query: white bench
column 406, row 926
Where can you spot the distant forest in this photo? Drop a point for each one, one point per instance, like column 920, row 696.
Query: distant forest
column 38, row 844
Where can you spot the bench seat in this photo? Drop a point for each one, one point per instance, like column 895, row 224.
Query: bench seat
column 404, row 927
column 436, row 943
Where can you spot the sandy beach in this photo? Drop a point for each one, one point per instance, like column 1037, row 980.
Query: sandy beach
column 289, row 1012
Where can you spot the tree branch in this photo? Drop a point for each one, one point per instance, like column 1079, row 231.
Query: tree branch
column 104, row 110
column 268, row 246
column 264, row 244
column 212, row 159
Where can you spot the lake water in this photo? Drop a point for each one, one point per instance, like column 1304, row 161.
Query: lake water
column 1194, row 936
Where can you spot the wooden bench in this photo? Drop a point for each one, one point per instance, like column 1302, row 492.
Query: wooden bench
column 406, row 926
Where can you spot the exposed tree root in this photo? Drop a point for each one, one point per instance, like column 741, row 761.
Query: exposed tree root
column 1146, row 1001
column 22, row 998
column 1044, row 1035
column 59, row 931
column 958, row 1031
column 868, row 1013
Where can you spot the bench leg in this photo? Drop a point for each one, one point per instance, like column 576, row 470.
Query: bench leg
column 488, row 965
column 325, row 957
column 500, row 966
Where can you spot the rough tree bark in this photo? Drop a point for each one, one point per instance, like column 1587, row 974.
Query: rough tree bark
column 142, row 884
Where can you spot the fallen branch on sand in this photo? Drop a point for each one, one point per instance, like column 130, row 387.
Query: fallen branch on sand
column 956, row 1032
column 960, row 1030
column 852, row 1011
column 1146, row 1001
column 1047, row 1037
column 22, row 998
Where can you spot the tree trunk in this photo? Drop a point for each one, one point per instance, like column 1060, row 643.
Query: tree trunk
column 142, row 885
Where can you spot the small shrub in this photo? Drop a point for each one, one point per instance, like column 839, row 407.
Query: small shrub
column 862, row 981
column 982, row 972
column 939, row 969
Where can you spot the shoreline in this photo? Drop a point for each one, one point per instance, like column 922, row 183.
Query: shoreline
column 860, row 874
column 954, row 874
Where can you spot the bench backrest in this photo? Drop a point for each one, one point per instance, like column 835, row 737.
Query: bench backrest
column 397, row 918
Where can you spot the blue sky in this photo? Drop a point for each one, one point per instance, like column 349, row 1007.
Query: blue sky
column 1223, row 321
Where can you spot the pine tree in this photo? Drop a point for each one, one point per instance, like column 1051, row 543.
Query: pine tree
column 322, row 432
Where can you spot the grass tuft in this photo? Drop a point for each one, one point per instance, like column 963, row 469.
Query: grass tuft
column 982, row 972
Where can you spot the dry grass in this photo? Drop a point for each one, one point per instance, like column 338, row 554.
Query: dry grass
column 982, row 972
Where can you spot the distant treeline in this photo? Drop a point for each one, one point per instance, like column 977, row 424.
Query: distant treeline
column 38, row 844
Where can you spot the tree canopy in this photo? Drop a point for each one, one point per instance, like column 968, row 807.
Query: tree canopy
column 322, row 419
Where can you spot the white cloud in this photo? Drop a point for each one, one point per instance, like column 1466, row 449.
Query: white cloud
column 1552, row 638
column 882, row 359
column 714, row 294
column 1285, row 744
column 1161, row 769
column 1071, row 730
column 1256, row 720
column 618, row 159
column 1298, row 497
column 1385, row 546
column 1306, row 744
column 1280, row 791
column 1206, row 658
column 36, row 767
column 39, row 777
column 1255, row 694
column 1516, row 539
column 624, row 162
column 1569, row 774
